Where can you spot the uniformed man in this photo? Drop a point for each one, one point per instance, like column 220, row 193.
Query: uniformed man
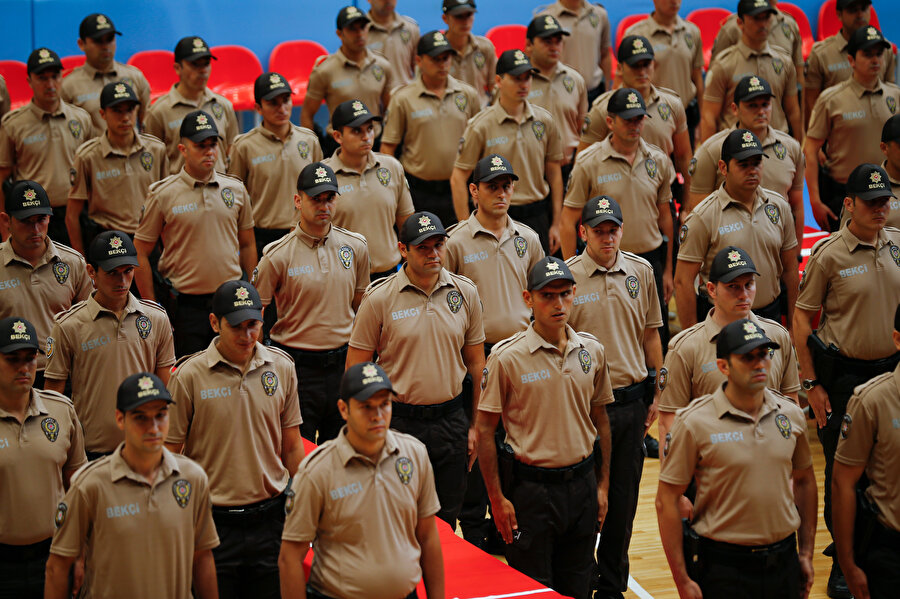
column 589, row 49
column 529, row 137
column 83, row 86
column 196, row 209
column 401, row 544
column 316, row 275
column 548, row 489
column 395, row 37
column 374, row 194
column 246, row 393
column 690, row 369
column 745, row 446
column 740, row 213
column 475, row 60
column 846, row 120
column 189, row 94
column 625, row 166
column 752, row 55
column 114, row 171
column 5, row 101
column 616, row 301
column 890, row 147
column 102, row 340
column 38, row 277
column 782, row 172
column 38, row 140
column 269, row 158
column 853, row 276
column 418, row 317
column 427, row 117
column 140, row 516
column 353, row 72
column 42, row 446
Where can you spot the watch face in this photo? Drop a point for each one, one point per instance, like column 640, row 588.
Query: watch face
column 808, row 384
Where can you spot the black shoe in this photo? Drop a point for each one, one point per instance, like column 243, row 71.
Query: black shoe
column 651, row 445
column 837, row 585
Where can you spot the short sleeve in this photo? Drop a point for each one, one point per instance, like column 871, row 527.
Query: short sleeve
column 205, row 535
column 475, row 328
column 363, row 268
column 819, row 119
column 316, row 88
column 595, row 128
column 813, row 286
column 579, row 186
column 554, row 142
column 471, row 147
column 802, row 457
column 181, row 413
column 76, row 457
column 789, row 234
column 302, row 520
column 666, row 175
column 680, row 117
column 790, row 85
column 790, row 379
column 366, row 332
column 404, row 202
column 7, row 147
column 677, row 390
column 800, row 165
column 681, row 454
column 706, row 170
column 813, row 76
column 152, row 220
column 494, row 386
column 266, row 279
column 290, row 412
column 697, row 50
column 716, row 85
column 165, row 344
column 694, row 239
column 603, row 393
column 237, row 162
column 857, row 438
column 81, row 185
column 394, row 120
column 59, row 362
column 73, row 519
column 245, row 215
column 153, row 121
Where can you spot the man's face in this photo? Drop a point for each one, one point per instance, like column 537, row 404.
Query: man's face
column 99, row 52
column 315, row 210
column 355, row 36
column 194, row 74
column 383, row 7
column 552, row 303
column 437, row 67
column 425, row 259
column 45, row 86
column 891, row 151
column 755, row 113
column 368, row 420
column 17, row 371
column 756, row 27
column 30, row 234
column 514, row 88
column 492, row 197
column 356, row 141
column 120, row 118
column 867, row 63
column 603, row 239
column 276, row 111
column 545, row 51
column 627, row 130
column 668, row 8
column 113, row 286
column 200, row 157
column 638, row 75
column 733, row 299
column 239, row 340
column 460, row 23
column 145, row 427
column 868, row 215
column 742, row 175
column 855, row 16
column 747, row 372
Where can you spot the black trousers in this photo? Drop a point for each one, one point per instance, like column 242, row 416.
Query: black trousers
column 594, row 93
column 318, row 383
column 537, row 216
column 743, row 576
column 657, row 259
column 880, row 565
column 433, row 196
column 626, row 424
column 22, row 570
column 56, row 230
column 189, row 315
column 832, row 194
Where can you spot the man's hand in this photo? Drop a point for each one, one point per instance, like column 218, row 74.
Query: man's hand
column 856, row 581
column 77, row 576
column 602, row 504
column 652, row 414
column 818, row 399
column 685, row 508
column 505, row 518
column 689, row 590
column 472, row 446
column 554, row 239
column 821, row 213
column 668, row 285
column 807, row 574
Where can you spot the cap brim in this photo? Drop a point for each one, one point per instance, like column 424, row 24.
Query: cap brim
column 97, row 34
column 602, row 218
column 362, row 120
column 114, row 263
column 361, row 17
column 516, row 71
column 46, row 67
column 874, row 194
column 758, row 11
column 440, row 50
column 423, row 237
column 238, row 316
column 29, row 212
column 372, row 389
column 275, row 93
column 552, row 32
column 458, row 9
column 201, row 135
column 733, row 274
column 751, row 345
column 20, row 345
column 138, row 402
column 638, row 58
column 492, row 176
column 546, row 282
column 753, row 95
column 866, row 45
column 118, row 101
column 321, row 188
column 744, row 154
column 197, row 56
column 631, row 113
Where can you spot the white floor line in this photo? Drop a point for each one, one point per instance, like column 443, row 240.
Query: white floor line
column 519, row 594
column 638, row 589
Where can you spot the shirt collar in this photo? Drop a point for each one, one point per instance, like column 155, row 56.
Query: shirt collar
column 854, row 243
column 475, row 227
column 261, row 355
column 35, row 407
column 92, row 72
column 106, row 148
column 659, row 28
column 724, row 406
column 192, row 183
column 180, row 99
column 535, row 342
column 746, row 51
column 608, row 151
column 95, row 309
column 894, row 182
column 502, row 115
column 368, row 58
column 340, row 167
column 309, row 240
column 395, row 24
column 40, row 113
column 725, row 199
column 403, row 281
column 8, row 254
column 592, row 268
column 860, row 91
column 120, row 469
column 346, row 452
column 712, row 328
column 562, row 9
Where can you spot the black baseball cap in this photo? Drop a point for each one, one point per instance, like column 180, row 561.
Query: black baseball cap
column 237, row 301
column 419, row 227
column 141, row 388
column 362, row 381
column 117, row 92
column 452, row 7
column 869, row 182
column 545, row 26
column 600, row 209
column 434, row 43
column 842, row 4
column 268, row 86
column 730, row 263
column 192, row 48
column 514, row 62
column 349, row 15
column 96, row 25
column 351, row 113
column 27, row 198
column 43, row 59
column 740, row 337
column 891, row 129
column 112, row 249
column 317, row 178
column 626, row 103
column 750, row 87
column 492, row 166
column 865, row 38
column 741, row 144
column 17, row 333
column 751, row 8
column 198, row 125
column 634, row 49
column 546, row 271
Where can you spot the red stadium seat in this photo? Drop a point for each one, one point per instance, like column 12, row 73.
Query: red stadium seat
column 156, row 65
column 294, row 60
column 70, row 63
column 233, row 75
column 709, row 20
column 805, row 30
column 15, row 74
column 829, row 24
column 507, row 37
column 625, row 24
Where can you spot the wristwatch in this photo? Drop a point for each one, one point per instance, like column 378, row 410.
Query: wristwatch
column 808, row 384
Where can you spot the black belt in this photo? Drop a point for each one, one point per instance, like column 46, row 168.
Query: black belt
column 747, row 555
column 886, row 537
column 252, row 510
column 521, row 211
column 432, row 412
column 440, row 185
column 325, row 357
column 203, row 300
column 25, row 553
column 536, row 474
column 630, row 393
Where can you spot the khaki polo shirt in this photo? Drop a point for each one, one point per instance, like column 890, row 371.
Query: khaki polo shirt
column 870, row 437
column 429, row 127
column 335, row 79
column 827, row 63
column 397, row 43
column 40, row 146
column 564, row 94
column 499, row 267
column 590, row 34
column 36, row 293
column 690, row 369
column 269, row 169
column 163, row 119
column 97, row 350
column 313, row 281
column 784, row 35
column 527, row 145
column 114, row 183
column 677, row 54
column 370, row 203
column 544, row 398
column 893, row 215
column 640, row 188
column 766, row 232
column 34, row 454
column 857, row 285
column 616, row 305
column 667, row 118
column 739, row 61
column 83, row 85
column 476, row 65
column 140, row 537
column 782, row 171
column 413, row 330
column 849, row 118
column 742, row 466
column 198, row 222
column 232, row 422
